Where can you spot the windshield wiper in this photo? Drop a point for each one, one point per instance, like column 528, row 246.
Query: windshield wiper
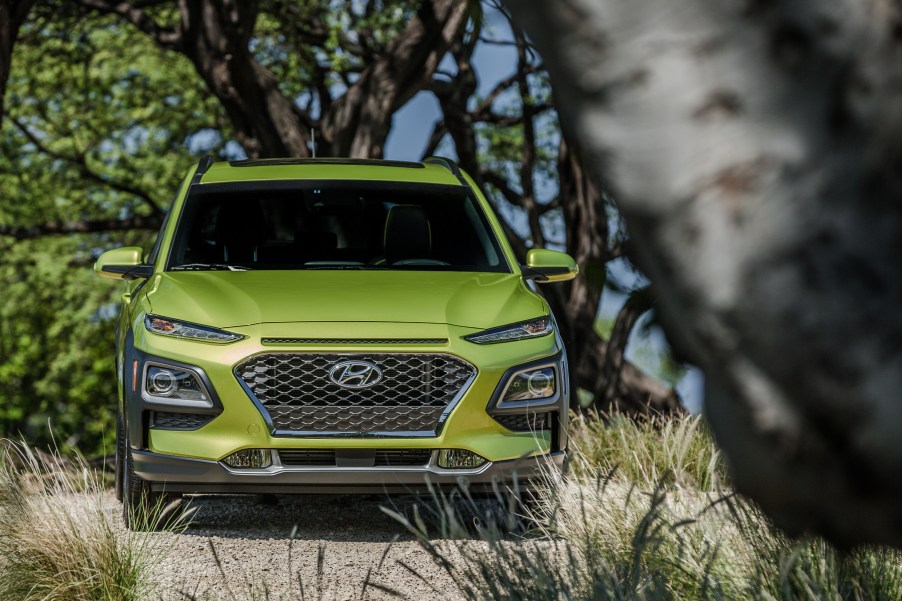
column 210, row 267
column 358, row 267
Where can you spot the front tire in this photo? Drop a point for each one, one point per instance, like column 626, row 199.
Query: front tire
column 120, row 456
column 143, row 509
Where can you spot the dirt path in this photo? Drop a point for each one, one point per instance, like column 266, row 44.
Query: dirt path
column 258, row 559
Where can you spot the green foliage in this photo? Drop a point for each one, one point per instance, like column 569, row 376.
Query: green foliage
column 283, row 32
column 113, row 124
column 56, row 344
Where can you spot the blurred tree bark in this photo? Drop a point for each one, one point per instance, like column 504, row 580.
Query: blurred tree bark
column 12, row 16
column 755, row 150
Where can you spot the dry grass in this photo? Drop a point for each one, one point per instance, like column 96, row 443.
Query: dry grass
column 59, row 539
column 646, row 513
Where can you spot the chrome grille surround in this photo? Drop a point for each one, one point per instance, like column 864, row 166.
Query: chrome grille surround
column 295, row 395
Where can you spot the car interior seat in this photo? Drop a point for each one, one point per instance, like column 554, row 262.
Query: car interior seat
column 240, row 229
column 408, row 234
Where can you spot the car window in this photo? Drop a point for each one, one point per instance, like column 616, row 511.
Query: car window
column 334, row 225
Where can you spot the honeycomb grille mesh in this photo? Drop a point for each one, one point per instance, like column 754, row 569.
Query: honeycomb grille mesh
column 296, row 391
column 525, row 422
column 163, row 420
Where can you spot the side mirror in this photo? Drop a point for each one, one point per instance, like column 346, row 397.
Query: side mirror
column 544, row 265
column 123, row 264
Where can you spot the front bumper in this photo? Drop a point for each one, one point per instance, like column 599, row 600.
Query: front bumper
column 198, row 476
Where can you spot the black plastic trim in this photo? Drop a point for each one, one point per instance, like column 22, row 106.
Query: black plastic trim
column 202, row 166
column 275, row 162
column 323, row 184
column 182, row 474
column 130, row 272
column 138, row 408
column 444, row 162
column 542, row 274
column 450, row 166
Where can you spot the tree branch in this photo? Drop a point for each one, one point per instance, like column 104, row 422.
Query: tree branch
column 169, row 39
column 637, row 303
column 54, row 228
column 80, row 162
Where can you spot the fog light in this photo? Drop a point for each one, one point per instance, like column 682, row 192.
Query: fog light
column 249, row 459
column 459, row 459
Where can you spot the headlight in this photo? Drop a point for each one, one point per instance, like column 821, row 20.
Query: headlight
column 533, row 384
column 168, row 385
column 531, row 328
column 182, row 329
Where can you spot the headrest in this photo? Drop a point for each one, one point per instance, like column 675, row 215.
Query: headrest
column 407, row 234
column 240, row 227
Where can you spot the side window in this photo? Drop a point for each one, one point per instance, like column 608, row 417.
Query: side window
column 155, row 249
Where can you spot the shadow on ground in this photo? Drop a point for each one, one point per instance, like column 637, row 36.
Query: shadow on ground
column 346, row 518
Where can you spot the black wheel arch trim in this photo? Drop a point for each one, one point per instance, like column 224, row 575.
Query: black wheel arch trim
column 136, row 408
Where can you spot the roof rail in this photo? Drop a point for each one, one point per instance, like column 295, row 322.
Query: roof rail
column 202, row 165
column 443, row 162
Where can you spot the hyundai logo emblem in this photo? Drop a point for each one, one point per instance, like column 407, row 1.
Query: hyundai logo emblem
column 355, row 374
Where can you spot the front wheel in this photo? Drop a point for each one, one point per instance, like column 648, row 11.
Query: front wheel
column 143, row 509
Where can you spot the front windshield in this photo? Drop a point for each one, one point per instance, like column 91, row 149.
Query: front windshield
column 334, row 225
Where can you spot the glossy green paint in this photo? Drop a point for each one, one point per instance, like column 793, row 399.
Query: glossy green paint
column 554, row 265
column 128, row 256
column 226, row 299
column 242, row 426
column 338, row 304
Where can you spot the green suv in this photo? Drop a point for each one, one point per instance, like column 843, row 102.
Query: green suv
column 333, row 325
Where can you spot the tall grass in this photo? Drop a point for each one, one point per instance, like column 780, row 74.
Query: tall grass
column 59, row 538
column 646, row 513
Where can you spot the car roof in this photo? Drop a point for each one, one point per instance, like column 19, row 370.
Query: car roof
column 431, row 171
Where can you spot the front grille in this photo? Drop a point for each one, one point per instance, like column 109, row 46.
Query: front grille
column 524, row 422
column 162, row 420
column 415, row 391
column 379, row 458
column 355, row 341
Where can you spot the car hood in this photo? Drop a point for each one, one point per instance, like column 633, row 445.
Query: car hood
column 238, row 298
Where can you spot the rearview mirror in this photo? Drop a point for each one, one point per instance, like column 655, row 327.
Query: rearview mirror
column 123, row 264
column 543, row 265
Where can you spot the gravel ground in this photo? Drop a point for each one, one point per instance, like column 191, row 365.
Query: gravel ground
column 259, row 559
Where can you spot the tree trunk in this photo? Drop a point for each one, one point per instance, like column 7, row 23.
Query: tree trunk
column 358, row 123
column 599, row 366
column 215, row 36
column 12, row 15
column 754, row 149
